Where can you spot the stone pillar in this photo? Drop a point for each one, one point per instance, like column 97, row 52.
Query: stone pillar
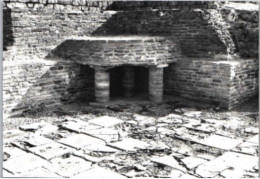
column 128, row 81
column 155, row 84
column 102, row 82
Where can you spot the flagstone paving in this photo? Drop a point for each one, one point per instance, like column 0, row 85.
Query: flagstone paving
column 182, row 143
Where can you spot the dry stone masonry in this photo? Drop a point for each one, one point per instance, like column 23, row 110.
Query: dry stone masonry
column 59, row 52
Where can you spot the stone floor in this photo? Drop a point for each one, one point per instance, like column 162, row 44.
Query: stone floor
column 170, row 139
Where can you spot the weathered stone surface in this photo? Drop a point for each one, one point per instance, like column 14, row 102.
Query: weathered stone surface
column 7, row 174
column 230, row 159
column 168, row 161
column 12, row 135
column 106, row 134
column 46, row 129
column 13, row 152
column 106, row 121
column 79, row 126
column 33, row 127
column 99, row 148
column 254, row 139
column 38, row 172
column 36, row 140
column 247, row 148
column 51, row 150
column 171, row 119
column 98, row 172
column 201, row 127
column 80, row 140
column 192, row 162
column 220, row 142
column 24, row 163
column 192, row 113
column 129, row 144
column 70, row 166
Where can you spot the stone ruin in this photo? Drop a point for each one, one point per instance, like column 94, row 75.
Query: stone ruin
column 58, row 52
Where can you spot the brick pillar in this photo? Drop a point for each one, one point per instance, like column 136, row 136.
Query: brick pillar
column 102, row 81
column 155, row 84
column 128, row 81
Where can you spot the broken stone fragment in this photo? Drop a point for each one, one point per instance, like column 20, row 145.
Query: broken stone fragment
column 107, row 134
column 168, row 161
column 33, row 127
column 220, row 142
column 171, row 119
column 247, row 148
column 192, row 162
column 106, row 121
column 129, row 144
column 195, row 114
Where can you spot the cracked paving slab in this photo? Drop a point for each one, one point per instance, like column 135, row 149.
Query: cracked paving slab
column 79, row 126
column 106, row 121
column 24, row 163
column 98, row 172
column 129, row 144
column 67, row 167
column 50, row 151
column 79, row 141
column 229, row 160
column 220, row 142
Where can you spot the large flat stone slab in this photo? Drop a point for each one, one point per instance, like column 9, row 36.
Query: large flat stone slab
column 70, row 166
column 254, row 139
column 129, row 144
column 38, row 172
column 98, row 172
column 12, row 135
column 36, row 140
column 106, row 121
column 247, row 148
column 168, row 161
column 79, row 126
column 46, row 129
column 228, row 160
column 13, row 152
column 51, row 150
column 220, row 142
column 27, row 162
column 192, row 162
column 80, row 140
column 99, row 148
column 106, row 134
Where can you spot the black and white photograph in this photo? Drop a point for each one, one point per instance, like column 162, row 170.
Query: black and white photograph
column 130, row 89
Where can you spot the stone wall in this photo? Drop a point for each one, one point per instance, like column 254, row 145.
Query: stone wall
column 34, row 28
column 244, row 82
column 201, row 79
column 43, row 84
column 116, row 51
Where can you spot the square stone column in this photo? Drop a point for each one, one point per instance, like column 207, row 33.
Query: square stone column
column 128, row 81
column 102, row 84
column 155, row 84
